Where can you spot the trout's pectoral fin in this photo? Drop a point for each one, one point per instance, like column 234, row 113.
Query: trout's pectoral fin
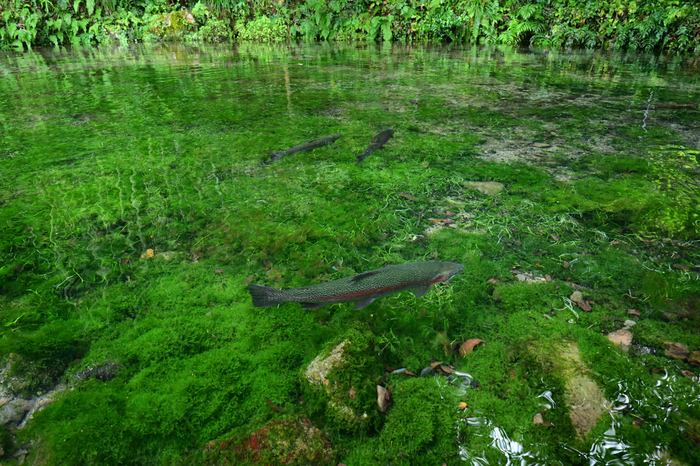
column 363, row 303
column 421, row 290
column 311, row 305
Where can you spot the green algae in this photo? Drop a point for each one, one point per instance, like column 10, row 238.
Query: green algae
column 141, row 153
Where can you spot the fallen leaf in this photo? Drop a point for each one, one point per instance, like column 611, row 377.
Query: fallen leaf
column 218, row 271
column 147, row 254
column 576, row 296
column 273, row 406
column 585, row 305
column 494, row 281
column 539, row 420
column 565, row 264
column 688, row 374
column 468, row 346
column 447, row 369
column 634, row 312
column 248, row 280
column 676, row 350
column 680, row 267
column 434, row 364
column 694, row 358
column 410, row 373
column 554, row 236
column 407, row 196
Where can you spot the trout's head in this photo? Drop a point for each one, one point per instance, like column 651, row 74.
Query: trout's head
column 447, row 271
column 451, row 269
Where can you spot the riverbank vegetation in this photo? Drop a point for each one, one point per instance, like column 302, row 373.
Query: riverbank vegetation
column 671, row 25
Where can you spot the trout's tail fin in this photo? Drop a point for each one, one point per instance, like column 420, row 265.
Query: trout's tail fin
column 264, row 296
column 362, row 156
column 276, row 155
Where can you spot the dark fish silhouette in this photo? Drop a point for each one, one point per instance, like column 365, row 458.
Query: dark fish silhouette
column 361, row 289
column 307, row 146
column 377, row 142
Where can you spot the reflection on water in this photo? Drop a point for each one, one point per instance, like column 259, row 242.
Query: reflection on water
column 647, row 407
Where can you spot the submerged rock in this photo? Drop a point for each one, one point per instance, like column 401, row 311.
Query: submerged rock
column 621, row 337
column 319, row 373
column 583, row 395
column 295, row 441
column 318, row 370
column 490, row 188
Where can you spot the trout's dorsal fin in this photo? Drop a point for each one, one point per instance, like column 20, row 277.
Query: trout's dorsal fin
column 420, row 290
column 363, row 275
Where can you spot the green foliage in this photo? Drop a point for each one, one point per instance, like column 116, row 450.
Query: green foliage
column 262, row 29
column 659, row 24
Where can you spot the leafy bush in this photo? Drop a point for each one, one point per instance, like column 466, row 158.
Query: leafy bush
column 262, row 29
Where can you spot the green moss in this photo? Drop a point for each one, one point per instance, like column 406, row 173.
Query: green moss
column 85, row 195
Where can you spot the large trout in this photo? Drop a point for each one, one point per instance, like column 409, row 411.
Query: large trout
column 307, row 146
column 363, row 288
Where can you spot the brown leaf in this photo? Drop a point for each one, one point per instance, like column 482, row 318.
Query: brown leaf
column 447, row 369
column 680, row 267
column 434, row 364
column 585, row 305
column 688, row 374
column 554, row 236
column 676, row 350
column 248, row 280
column 634, row 312
column 493, row 281
column 218, row 271
column 407, row 372
column 407, row 196
column 565, row 264
column 539, row 420
column 273, row 406
column 468, row 346
column 694, row 358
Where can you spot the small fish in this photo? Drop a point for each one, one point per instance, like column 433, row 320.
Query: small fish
column 307, row 146
column 361, row 289
column 377, row 142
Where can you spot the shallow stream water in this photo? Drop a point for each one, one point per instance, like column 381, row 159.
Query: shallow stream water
column 137, row 201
